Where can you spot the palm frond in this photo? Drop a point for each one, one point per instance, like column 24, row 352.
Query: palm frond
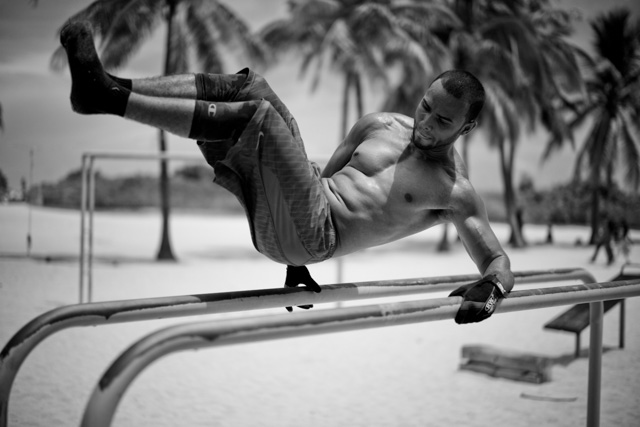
column 501, row 112
column 234, row 29
column 204, row 41
column 280, row 36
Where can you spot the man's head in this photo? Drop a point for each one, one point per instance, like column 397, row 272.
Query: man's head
column 464, row 85
column 448, row 109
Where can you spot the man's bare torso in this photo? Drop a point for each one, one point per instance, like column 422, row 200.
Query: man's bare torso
column 389, row 189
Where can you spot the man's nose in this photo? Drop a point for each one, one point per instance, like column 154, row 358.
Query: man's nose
column 427, row 123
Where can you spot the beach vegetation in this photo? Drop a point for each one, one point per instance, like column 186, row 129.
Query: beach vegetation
column 194, row 191
column 611, row 112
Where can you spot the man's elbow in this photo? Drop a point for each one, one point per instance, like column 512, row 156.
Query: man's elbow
column 500, row 265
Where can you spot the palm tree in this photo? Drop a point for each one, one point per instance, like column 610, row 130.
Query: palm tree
column 612, row 107
column 196, row 30
column 359, row 38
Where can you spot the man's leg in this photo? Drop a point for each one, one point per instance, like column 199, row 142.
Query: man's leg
column 206, row 87
column 200, row 120
column 95, row 92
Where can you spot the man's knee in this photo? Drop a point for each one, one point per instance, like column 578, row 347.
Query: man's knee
column 220, row 87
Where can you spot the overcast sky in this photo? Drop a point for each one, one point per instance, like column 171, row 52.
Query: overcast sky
column 37, row 115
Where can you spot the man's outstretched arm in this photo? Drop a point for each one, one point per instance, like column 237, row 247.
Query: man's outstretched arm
column 480, row 298
column 481, row 243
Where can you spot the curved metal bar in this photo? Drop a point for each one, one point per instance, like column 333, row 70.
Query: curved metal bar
column 113, row 384
column 28, row 337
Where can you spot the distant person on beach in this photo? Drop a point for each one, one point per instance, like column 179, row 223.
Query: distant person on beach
column 624, row 241
column 606, row 235
column 391, row 177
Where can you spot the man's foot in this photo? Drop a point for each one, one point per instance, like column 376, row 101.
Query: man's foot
column 92, row 91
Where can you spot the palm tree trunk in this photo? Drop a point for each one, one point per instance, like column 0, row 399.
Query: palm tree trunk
column 516, row 239
column 444, row 245
column 464, row 10
column 357, row 82
column 345, row 103
column 602, row 131
column 165, row 252
column 595, row 206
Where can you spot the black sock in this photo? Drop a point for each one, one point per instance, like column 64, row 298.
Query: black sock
column 92, row 91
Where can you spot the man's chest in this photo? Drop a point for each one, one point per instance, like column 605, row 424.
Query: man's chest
column 404, row 178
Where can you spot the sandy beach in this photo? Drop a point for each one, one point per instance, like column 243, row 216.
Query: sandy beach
column 395, row 376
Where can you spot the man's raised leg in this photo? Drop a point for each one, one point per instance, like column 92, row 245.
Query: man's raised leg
column 93, row 91
column 205, row 87
column 201, row 120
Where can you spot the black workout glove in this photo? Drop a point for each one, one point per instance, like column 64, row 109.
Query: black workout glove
column 297, row 276
column 480, row 299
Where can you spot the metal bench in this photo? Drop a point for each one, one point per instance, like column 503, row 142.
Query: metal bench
column 576, row 319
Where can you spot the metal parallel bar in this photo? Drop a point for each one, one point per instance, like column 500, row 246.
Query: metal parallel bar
column 28, row 337
column 113, row 384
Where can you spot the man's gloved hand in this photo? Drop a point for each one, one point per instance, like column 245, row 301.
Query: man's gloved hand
column 480, row 299
column 297, row 276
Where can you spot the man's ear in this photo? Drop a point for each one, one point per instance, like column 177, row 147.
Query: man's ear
column 468, row 127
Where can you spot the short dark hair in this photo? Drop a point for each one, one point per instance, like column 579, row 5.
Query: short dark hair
column 463, row 84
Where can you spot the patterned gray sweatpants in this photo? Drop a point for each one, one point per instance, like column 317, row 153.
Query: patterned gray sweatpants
column 267, row 169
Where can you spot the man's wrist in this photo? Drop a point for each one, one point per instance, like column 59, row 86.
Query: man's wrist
column 498, row 284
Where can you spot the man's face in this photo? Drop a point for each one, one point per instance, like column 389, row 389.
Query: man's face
column 440, row 118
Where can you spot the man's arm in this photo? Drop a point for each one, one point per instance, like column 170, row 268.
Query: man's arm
column 473, row 227
column 354, row 138
column 480, row 298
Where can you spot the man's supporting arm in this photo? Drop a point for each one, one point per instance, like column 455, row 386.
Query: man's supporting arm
column 480, row 298
column 480, row 241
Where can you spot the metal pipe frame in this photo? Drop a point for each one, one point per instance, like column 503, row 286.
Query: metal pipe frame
column 88, row 206
column 113, row 384
column 93, row 314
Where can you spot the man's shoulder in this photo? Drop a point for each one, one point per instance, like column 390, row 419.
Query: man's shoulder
column 384, row 120
column 375, row 124
column 464, row 201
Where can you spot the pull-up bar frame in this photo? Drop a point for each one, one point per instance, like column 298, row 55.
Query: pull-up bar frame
column 87, row 207
column 115, row 381
column 93, row 314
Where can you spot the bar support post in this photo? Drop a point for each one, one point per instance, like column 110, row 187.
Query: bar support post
column 596, row 313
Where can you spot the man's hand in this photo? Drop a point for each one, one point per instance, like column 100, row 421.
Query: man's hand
column 480, row 299
column 297, row 276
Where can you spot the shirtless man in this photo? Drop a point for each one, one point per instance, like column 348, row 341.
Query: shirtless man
column 391, row 177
